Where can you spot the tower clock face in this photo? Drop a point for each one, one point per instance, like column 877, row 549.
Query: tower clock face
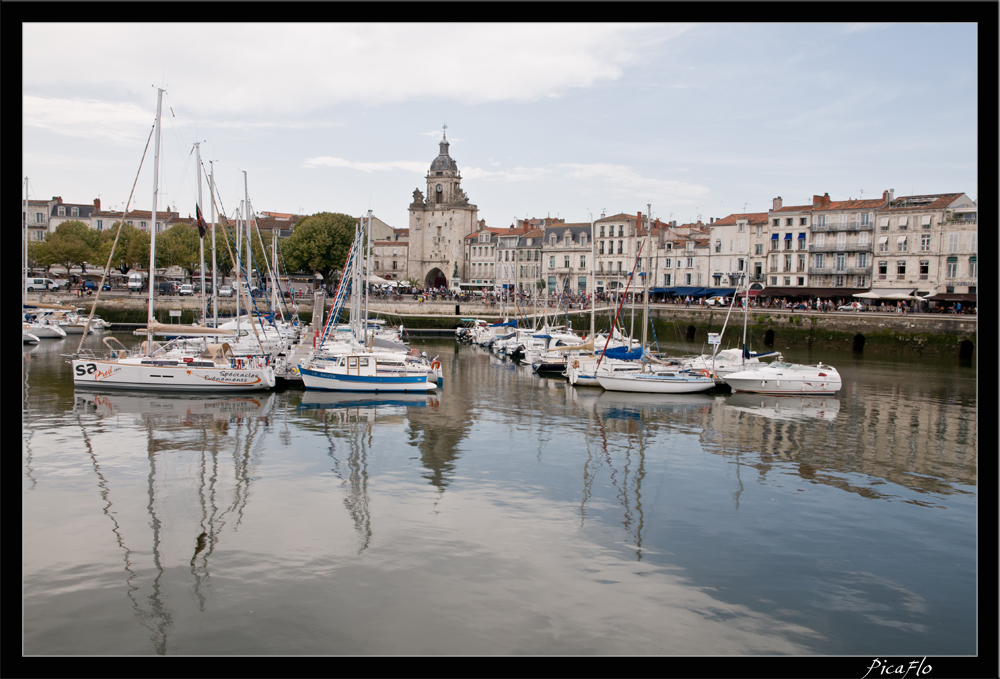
column 439, row 188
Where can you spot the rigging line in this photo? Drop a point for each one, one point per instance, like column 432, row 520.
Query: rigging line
column 93, row 307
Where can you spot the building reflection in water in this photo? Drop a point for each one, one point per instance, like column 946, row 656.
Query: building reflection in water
column 176, row 424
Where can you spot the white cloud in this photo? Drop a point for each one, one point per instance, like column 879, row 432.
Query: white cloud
column 417, row 167
column 116, row 122
column 305, row 67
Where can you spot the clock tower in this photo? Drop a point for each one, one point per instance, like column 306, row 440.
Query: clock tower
column 439, row 224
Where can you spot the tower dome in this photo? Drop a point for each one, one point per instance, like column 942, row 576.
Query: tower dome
column 444, row 162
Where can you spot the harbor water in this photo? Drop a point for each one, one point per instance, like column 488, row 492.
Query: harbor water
column 504, row 514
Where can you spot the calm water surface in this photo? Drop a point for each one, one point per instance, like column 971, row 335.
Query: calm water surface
column 503, row 514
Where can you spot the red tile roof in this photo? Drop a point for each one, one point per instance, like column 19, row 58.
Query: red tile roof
column 851, row 205
column 942, row 200
column 751, row 217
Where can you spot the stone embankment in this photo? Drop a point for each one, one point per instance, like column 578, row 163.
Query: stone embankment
column 921, row 334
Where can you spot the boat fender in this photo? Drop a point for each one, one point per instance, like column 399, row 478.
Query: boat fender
column 435, row 365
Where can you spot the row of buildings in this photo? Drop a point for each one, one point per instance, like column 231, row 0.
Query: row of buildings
column 923, row 246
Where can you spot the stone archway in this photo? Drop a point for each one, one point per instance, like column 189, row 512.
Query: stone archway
column 435, row 278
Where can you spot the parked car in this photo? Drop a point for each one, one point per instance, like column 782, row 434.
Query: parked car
column 717, row 300
column 166, row 288
column 208, row 286
column 35, row 284
column 185, row 290
column 106, row 286
column 225, row 291
column 853, row 306
column 59, row 284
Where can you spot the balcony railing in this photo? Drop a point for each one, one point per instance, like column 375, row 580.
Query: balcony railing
column 846, row 271
column 852, row 225
column 841, row 247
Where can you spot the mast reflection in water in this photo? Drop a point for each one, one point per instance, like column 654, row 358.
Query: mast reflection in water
column 505, row 514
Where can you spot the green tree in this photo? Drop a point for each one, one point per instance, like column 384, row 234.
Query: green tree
column 223, row 262
column 40, row 254
column 132, row 250
column 73, row 242
column 320, row 243
column 179, row 246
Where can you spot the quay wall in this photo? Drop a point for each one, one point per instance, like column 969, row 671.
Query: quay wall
column 919, row 334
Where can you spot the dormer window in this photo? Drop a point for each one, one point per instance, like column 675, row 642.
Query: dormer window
column 61, row 211
column 75, row 212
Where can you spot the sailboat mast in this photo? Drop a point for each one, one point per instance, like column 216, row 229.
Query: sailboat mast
column 236, row 269
column 215, row 281
column 635, row 241
column 152, row 225
column 201, row 240
column 593, row 277
column 246, row 234
column 24, row 281
column 645, row 278
column 368, row 250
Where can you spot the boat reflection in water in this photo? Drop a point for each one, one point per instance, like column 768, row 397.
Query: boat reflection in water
column 786, row 407
column 143, row 404
column 330, row 400
column 197, row 457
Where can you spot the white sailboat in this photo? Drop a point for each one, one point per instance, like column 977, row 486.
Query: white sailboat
column 358, row 367
column 149, row 367
column 655, row 377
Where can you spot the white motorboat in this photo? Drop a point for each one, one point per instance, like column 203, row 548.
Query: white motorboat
column 786, row 378
column 26, row 336
column 44, row 329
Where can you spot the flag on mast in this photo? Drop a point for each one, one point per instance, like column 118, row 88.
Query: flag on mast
column 202, row 226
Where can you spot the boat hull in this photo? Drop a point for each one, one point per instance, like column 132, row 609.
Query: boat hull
column 48, row 331
column 335, row 381
column 825, row 382
column 653, row 384
column 111, row 374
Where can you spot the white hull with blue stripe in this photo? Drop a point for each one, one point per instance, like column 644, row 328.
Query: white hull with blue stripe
column 366, row 372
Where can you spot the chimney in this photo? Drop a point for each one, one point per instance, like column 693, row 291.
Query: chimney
column 57, row 199
column 777, row 203
column 892, row 193
column 97, row 204
column 826, row 199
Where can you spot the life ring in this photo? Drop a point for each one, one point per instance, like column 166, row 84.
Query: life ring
column 435, row 365
column 576, row 364
column 413, row 352
column 704, row 373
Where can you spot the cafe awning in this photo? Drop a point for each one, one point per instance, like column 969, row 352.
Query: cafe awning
column 951, row 297
column 888, row 293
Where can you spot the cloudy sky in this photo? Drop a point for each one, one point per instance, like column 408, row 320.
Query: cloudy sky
column 543, row 119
